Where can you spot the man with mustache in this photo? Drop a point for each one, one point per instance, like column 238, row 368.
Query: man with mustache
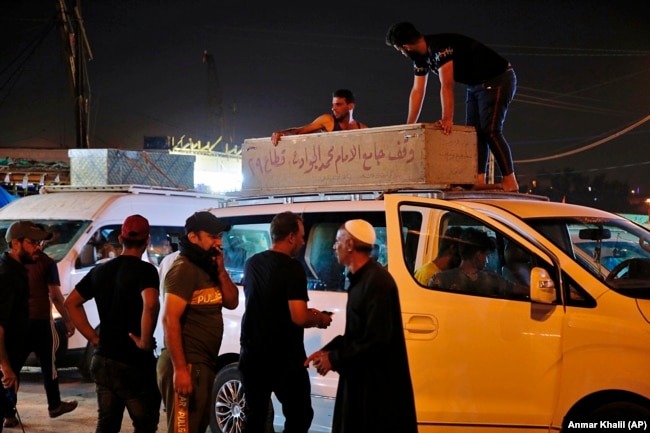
column 23, row 242
column 196, row 288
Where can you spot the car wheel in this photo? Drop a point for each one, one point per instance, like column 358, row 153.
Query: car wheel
column 84, row 364
column 229, row 403
column 620, row 410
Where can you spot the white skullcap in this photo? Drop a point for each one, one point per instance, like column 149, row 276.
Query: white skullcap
column 361, row 230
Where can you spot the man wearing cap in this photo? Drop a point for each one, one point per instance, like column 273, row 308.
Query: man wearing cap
column 196, row 288
column 42, row 337
column 371, row 355
column 272, row 347
column 123, row 366
column 23, row 240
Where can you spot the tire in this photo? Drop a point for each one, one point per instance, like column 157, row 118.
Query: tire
column 229, row 403
column 620, row 410
column 615, row 410
column 84, row 363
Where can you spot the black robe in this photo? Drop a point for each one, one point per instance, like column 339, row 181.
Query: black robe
column 374, row 392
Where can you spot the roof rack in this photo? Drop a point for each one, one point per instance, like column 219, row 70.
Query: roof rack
column 287, row 198
column 132, row 189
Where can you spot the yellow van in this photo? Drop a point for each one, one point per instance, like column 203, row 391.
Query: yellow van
column 573, row 349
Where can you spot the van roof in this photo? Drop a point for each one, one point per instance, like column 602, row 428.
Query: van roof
column 83, row 203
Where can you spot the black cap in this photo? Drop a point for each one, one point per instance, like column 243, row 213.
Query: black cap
column 28, row 230
column 207, row 222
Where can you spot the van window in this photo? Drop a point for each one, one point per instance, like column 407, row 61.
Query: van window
column 242, row 242
column 249, row 235
column 447, row 238
column 613, row 250
column 104, row 244
column 65, row 234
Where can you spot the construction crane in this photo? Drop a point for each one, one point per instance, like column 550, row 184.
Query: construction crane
column 216, row 122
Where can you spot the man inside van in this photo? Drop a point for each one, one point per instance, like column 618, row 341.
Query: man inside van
column 370, row 356
column 470, row 276
column 272, row 347
column 340, row 119
column 23, row 241
column 196, row 288
column 123, row 367
column 447, row 257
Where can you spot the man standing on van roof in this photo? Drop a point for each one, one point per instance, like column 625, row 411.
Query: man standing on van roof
column 197, row 286
column 491, row 85
column 272, row 347
column 340, row 119
column 23, row 240
column 123, row 366
column 371, row 356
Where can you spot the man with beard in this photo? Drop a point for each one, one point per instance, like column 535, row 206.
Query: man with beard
column 23, row 241
column 370, row 356
column 196, row 288
column 275, row 285
column 340, row 119
column 42, row 337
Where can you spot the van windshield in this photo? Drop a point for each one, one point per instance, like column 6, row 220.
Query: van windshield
column 66, row 233
column 615, row 251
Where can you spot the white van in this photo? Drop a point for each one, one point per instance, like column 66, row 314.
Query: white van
column 575, row 349
column 86, row 221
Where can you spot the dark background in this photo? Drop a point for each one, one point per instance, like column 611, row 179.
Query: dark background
column 583, row 68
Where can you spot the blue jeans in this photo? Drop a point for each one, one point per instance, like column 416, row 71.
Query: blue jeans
column 120, row 386
column 486, row 108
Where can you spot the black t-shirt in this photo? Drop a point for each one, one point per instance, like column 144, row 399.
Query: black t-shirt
column 14, row 294
column 271, row 280
column 117, row 287
column 474, row 63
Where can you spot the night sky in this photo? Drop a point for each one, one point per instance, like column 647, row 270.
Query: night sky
column 583, row 70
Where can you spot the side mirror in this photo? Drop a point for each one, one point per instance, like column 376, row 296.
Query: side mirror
column 542, row 287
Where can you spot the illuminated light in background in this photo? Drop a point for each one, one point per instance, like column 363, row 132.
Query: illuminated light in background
column 217, row 181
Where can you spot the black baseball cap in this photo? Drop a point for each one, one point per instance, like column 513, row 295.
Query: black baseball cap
column 207, row 222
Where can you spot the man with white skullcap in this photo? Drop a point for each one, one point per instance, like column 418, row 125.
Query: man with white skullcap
column 371, row 355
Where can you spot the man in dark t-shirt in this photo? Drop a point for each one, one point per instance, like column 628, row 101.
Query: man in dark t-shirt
column 197, row 287
column 123, row 366
column 272, row 348
column 23, row 244
column 491, row 85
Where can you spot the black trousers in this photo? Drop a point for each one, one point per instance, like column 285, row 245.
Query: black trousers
column 291, row 386
column 43, row 340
